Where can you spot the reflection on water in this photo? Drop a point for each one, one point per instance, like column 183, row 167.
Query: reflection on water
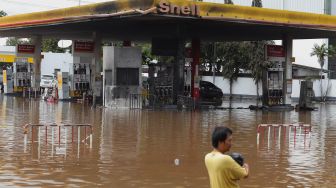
column 138, row 148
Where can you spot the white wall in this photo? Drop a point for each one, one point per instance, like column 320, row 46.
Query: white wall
column 243, row 86
column 317, row 88
column 53, row 61
column 247, row 87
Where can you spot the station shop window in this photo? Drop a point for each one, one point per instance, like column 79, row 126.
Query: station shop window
column 127, row 76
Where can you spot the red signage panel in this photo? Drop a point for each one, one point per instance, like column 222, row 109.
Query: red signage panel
column 84, row 47
column 25, row 49
column 275, row 51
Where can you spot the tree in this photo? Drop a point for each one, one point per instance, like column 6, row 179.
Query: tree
column 48, row 45
column 256, row 3
column 228, row 2
column 51, row 45
column 321, row 52
column 234, row 58
column 257, row 63
column 2, row 13
column 12, row 41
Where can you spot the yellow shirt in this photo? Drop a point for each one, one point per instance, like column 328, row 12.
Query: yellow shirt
column 224, row 172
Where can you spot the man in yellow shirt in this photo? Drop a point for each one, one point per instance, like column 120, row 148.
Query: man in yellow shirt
column 224, row 172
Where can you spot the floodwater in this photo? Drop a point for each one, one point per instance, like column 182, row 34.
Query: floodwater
column 133, row 148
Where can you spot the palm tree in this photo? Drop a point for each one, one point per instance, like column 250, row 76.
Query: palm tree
column 321, row 52
column 234, row 56
column 257, row 63
column 228, row 2
column 256, row 3
column 2, row 13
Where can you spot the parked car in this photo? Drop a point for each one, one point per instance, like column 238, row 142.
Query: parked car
column 46, row 81
column 210, row 94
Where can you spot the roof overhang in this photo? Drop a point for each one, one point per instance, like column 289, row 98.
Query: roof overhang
column 141, row 20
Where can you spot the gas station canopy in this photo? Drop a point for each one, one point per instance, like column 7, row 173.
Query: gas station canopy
column 145, row 19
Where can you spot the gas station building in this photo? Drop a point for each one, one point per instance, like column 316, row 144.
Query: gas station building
column 168, row 25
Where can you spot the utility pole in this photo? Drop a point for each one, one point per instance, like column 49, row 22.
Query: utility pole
column 79, row 2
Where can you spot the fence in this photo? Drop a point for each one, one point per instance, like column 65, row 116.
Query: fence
column 290, row 133
column 51, row 133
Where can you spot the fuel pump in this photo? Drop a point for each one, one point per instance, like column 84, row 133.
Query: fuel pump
column 161, row 82
column 275, row 54
column 80, row 80
column 63, row 85
column 21, row 75
column 275, row 84
column 8, row 81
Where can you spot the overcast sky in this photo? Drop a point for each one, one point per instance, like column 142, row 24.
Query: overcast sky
column 24, row 6
column 12, row 7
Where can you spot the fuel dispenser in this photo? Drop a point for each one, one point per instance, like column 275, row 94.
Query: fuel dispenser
column 275, row 84
column 63, row 85
column 80, row 79
column 8, row 81
column 275, row 74
column 161, row 82
column 21, row 75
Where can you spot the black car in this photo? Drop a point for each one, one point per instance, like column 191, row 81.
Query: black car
column 210, row 94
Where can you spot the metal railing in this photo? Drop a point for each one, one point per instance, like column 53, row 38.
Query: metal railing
column 57, row 135
column 140, row 101
column 186, row 102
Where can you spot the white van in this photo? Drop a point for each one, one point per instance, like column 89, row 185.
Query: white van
column 46, row 81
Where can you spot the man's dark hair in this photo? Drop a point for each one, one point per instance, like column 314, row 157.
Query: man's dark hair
column 219, row 135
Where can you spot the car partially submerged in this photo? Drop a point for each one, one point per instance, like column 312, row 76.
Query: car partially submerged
column 210, row 94
column 46, row 81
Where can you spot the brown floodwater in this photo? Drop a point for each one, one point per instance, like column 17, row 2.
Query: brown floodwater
column 145, row 148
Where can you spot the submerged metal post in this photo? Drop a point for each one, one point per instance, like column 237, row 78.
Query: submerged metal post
column 279, row 136
column 78, row 142
column 65, row 139
column 258, row 135
column 289, row 133
column 91, row 139
column 25, row 140
column 39, row 141
column 52, row 141
column 269, row 135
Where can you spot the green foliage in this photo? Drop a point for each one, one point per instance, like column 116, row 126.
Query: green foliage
column 51, row 45
column 228, row 2
column 256, row 3
column 146, row 50
column 257, row 63
column 12, row 41
column 48, row 45
column 2, row 13
column 321, row 52
column 234, row 57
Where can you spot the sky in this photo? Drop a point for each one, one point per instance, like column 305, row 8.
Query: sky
column 12, row 7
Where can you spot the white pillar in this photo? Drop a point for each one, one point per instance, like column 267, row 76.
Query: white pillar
column 288, row 45
column 36, row 78
column 95, row 63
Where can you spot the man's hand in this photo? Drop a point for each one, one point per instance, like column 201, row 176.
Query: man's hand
column 247, row 168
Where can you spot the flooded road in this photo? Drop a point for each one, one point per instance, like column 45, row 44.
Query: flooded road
column 142, row 148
